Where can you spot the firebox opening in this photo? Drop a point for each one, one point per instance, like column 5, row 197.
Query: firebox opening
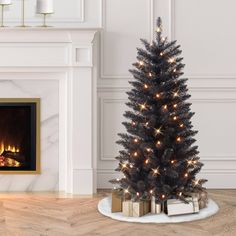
column 18, row 135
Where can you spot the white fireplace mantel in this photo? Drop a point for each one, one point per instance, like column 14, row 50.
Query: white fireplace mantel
column 66, row 55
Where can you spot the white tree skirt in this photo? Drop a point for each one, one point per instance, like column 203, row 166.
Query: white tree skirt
column 104, row 207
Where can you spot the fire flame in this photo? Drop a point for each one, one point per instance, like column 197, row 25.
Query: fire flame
column 11, row 148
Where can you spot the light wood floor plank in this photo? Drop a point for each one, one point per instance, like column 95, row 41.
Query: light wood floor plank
column 47, row 214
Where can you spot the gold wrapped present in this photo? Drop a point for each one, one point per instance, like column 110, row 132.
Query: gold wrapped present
column 116, row 202
column 127, row 208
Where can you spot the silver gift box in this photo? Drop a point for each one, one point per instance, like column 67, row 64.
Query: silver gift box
column 178, row 207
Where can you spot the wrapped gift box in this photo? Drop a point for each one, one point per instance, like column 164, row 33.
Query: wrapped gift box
column 116, row 202
column 127, row 208
column 178, row 207
column 138, row 209
column 135, row 209
column 155, row 207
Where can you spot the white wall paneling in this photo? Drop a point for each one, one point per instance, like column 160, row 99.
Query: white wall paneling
column 203, row 30
column 124, row 22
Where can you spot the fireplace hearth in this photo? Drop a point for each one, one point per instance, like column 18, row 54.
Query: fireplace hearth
column 19, row 135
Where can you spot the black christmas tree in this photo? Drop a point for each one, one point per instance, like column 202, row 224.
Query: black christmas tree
column 159, row 158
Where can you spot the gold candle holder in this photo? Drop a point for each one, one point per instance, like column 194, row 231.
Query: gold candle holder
column 23, row 14
column 2, row 16
column 45, row 20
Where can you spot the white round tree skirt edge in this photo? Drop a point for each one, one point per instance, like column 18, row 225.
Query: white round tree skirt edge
column 104, row 207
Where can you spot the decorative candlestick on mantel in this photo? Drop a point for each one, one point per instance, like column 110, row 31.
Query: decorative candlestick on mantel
column 44, row 7
column 23, row 14
column 4, row 3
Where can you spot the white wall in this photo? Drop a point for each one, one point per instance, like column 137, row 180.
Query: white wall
column 204, row 28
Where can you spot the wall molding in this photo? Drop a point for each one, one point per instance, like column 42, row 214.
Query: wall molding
column 111, row 157
column 102, row 61
column 102, row 102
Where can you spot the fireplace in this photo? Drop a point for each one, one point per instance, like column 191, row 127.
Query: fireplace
column 19, row 136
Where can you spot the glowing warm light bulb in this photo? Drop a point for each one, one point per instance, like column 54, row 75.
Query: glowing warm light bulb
column 175, row 94
column 146, row 123
column 142, row 106
column 131, row 166
column 151, row 191
column 181, row 125
column 155, row 171
column 161, row 54
column 174, row 70
column 145, row 86
column 158, row 131
column 163, row 39
column 141, row 63
column 158, row 143
column 195, row 162
column 124, row 165
column 117, row 179
column 165, row 107
column 136, row 140
column 196, row 182
column 172, row 162
column 148, row 149
column 133, row 123
column 150, row 74
column 186, row 175
column 175, row 118
column 135, row 154
column 180, row 194
column 137, row 194
column 178, row 139
column 126, row 191
column 171, row 60
column 189, row 162
column 158, row 29
column 175, row 105
column 146, row 162
column 157, row 95
column 163, row 196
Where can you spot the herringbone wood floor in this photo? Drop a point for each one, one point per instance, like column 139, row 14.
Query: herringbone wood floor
column 50, row 214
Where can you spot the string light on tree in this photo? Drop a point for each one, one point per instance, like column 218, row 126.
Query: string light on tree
column 158, row 95
column 145, row 86
column 178, row 139
column 141, row 63
column 176, row 94
column 158, row 143
column 135, row 154
column 158, row 131
column 156, row 171
column 175, row 118
column 150, row 74
column 171, row 60
column 158, row 29
column 142, row 106
column 136, row 140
